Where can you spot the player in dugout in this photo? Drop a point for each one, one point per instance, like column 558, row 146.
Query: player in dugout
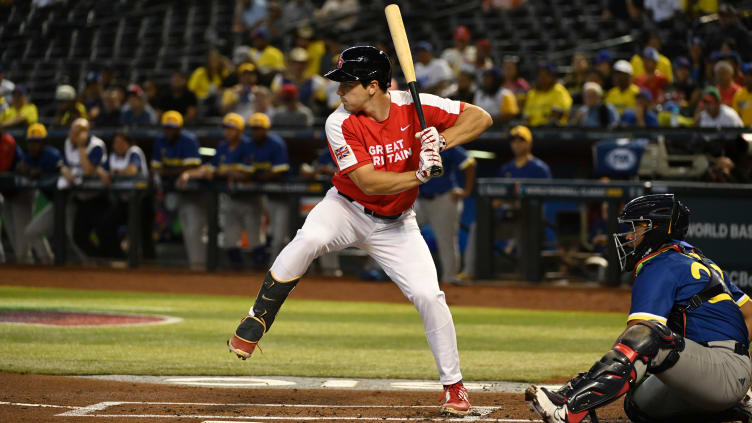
column 382, row 157
column 684, row 356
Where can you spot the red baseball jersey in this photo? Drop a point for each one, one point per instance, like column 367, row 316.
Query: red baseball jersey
column 356, row 140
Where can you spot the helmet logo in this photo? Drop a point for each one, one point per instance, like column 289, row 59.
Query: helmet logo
column 340, row 62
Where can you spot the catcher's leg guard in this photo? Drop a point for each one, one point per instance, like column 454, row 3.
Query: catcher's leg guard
column 646, row 345
column 268, row 302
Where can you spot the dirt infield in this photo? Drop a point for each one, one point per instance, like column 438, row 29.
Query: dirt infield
column 73, row 399
column 319, row 288
column 45, row 398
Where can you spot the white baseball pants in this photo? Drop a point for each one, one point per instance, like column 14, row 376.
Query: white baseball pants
column 397, row 245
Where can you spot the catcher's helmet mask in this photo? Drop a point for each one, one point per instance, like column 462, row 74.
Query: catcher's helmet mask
column 664, row 219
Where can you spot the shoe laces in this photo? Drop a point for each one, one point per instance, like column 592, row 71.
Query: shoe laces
column 456, row 390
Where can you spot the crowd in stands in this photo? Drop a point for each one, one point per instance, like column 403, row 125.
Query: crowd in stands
column 282, row 49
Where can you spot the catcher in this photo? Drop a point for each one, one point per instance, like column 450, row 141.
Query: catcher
column 686, row 329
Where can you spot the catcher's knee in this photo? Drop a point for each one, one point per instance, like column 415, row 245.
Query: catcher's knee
column 633, row 411
column 647, row 339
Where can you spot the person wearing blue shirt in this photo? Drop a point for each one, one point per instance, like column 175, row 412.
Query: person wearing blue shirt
column 440, row 204
column 175, row 152
column 232, row 162
column 687, row 332
column 270, row 163
column 642, row 115
column 524, row 165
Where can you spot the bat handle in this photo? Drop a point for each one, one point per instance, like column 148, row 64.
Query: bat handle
column 435, row 170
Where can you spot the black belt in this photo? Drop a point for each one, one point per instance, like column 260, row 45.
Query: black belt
column 370, row 212
column 739, row 348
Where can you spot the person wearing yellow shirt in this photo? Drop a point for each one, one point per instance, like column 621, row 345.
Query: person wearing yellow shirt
column 743, row 98
column 623, row 96
column 315, row 49
column 20, row 112
column 68, row 107
column 268, row 59
column 548, row 103
column 207, row 80
column 664, row 64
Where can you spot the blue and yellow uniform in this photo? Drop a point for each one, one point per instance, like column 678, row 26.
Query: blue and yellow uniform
column 454, row 160
column 239, row 159
column 671, row 276
column 533, row 168
column 182, row 152
column 48, row 162
column 270, row 155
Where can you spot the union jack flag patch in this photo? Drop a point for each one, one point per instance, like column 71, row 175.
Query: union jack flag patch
column 342, row 152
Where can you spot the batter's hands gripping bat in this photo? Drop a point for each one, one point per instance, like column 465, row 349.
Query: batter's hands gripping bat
column 402, row 47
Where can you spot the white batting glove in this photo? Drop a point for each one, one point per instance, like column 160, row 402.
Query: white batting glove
column 429, row 159
column 431, row 135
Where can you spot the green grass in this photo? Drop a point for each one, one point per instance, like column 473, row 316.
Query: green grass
column 309, row 338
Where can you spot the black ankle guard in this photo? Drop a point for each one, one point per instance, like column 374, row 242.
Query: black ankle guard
column 270, row 298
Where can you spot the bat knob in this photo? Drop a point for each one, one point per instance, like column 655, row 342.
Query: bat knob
column 436, row 171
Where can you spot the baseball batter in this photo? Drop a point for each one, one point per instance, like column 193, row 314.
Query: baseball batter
column 382, row 157
column 686, row 329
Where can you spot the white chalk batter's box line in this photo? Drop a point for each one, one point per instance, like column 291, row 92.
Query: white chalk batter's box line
column 92, row 411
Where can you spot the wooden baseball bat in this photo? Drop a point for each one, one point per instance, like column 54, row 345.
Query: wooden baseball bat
column 402, row 47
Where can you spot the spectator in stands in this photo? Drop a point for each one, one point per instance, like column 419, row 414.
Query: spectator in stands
column 291, row 112
column 461, row 52
column 728, row 26
column 724, row 78
column 137, row 112
column 84, row 156
column 175, row 152
column 662, row 12
column 249, row 15
column 698, row 8
column 179, row 98
column 483, row 59
column 653, row 48
column 267, row 58
column 262, row 101
column 683, row 91
column 239, row 99
column 594, row 113
column 311, row 90
column 109, row 114
column 107, row 76
column 68, row 106
column 512, row 80
column 712, row 113
column 498, row 101
column 331, row 54
column 602, row 63
column 40, row 162
column 295, row 12
column 652, row 79
column 623, row 95
column 15, row 205
column 743, row 97
column 151, row 89
column 465, row 86
column 270, row 163
column 575, row 79
column 6, row 87
column 92, row 94
column 643, row 113
column 21, row 112
column 432, row 73
column 315, row 49
column 340, row 14
column 697, row 61
column 206, row 81
column 232, row 163
column 126, row 160
column 548, row 103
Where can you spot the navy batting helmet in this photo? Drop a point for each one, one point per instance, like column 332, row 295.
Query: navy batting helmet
column 362, row 63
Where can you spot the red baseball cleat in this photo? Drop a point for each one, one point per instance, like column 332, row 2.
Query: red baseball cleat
column 456, row 400
column 239, row 343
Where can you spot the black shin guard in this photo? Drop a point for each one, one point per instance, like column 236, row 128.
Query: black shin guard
column 615, row 373
column 270, row 298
